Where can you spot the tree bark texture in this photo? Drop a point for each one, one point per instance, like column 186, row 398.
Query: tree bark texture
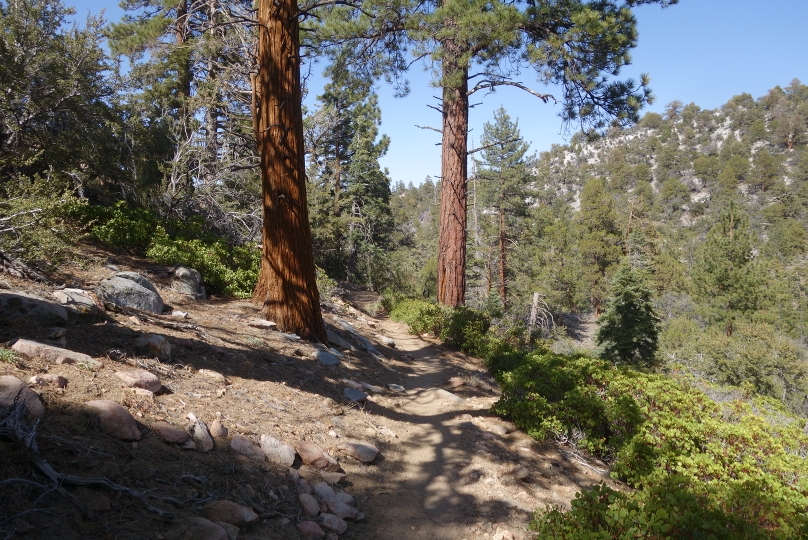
column 287, row 286
column 453, row 200
column 503, row 263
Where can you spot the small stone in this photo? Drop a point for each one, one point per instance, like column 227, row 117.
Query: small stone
column 140, row 378
column 277, row 451
column 334, row 504
column 333, row 523
column 215, row 376
column 169, row 433
column 310, row 529
column 55, row 355
column 116, row 421
column 354, row 395
column 520, row 473
column 371, row 388
column 230, row 512
column 385, row 340
column 353, row 384
column 396, row 388
column 217, row 429
column 331, row 535
column 153, row 346
column 200, row 434
column 188, row 281
column 246, row 447
column 262, row 324
column 180, row 314
column 345, row 497
column 188, row 445
column 45, row 379
column 363, row 451
column 309, row 504
column 314, row 456
column 498, row 429
column 325, row 358
column 143, row 392
column 333, row 477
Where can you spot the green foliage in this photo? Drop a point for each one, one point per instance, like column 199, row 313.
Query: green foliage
column 122, row 226
column 229, row 269
column 7, row 356
column 731, row 464
column 461, row 327
column 629, row 327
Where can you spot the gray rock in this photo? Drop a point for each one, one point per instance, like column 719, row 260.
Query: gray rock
column 188, row 281
column 13, row 390
column 116, row 420
column 246, row 447
column 354, row 395
column 325, row 358
column 130, row 289
column 345, row 497
column 337, row 340
column 277, row 451
column 310, row 529
column 215, row 376
column 333, row 523
column 371, row 388
column 363, row 342
column 396, row 388
column 385, row 340
column 77, row 301
column 334, row 504
column 200, row 434
column 230, row 512
column 55, row 355
column 353, row 384
column 153, row 346
column 333, row 477
column 520, row 472
column 24, row 306
column 363, row 451
column 169, row 433
column 140, row 378
column 311, row 508
column 262, row 324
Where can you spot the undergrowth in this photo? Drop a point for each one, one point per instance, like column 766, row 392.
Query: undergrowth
column 699, row 467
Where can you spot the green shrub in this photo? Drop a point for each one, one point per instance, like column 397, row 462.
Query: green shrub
column 420, row 315
column 734, row 466
column 122, row 227
column 229, row 269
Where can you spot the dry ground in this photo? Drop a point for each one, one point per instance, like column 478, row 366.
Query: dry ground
column 446, row 465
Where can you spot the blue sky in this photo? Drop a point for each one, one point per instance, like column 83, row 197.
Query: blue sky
column 701, row 51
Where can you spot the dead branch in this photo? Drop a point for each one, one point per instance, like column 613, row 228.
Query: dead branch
column 492, row 83
column 493, row 144
column 429, row 127
column 17, row 268
column 15, row 427
column 150, row 318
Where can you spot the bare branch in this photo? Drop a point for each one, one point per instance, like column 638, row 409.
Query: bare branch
column 491, row 83
column 429, row 127
column 493, row 144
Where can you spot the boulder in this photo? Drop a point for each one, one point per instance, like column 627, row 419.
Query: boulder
column 77, row 302
column 13, row 390
column 140, row 378
column 55, row 355
column 188, row 281
column 130, row 290
column 153, row 346
column 116, row 420
column 230, row 512
column 337, row 340
column 277, row 451
column 362, row 451
column 17, row 305
column 325, row 357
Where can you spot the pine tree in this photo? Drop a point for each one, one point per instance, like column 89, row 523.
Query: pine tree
column 629, row 327
column 503, row 179
column 728, row 281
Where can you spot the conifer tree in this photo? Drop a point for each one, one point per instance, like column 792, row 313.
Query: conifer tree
column 728, row 281
column 503, row 176
column 629, row 327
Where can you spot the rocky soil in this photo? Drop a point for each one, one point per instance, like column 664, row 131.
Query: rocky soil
column 201, row 422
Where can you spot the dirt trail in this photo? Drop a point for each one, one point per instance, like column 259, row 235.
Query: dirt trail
column 454, row 470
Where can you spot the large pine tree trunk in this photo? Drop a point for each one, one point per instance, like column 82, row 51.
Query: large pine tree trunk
column 452, row 236
column 503, row 263
column 287, row 285
column 184, row 76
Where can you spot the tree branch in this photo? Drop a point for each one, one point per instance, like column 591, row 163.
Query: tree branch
column 489, row 83
column 429, row 127
column 493, row 144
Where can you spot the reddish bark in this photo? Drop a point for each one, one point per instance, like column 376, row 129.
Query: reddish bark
column 454, row 196
column 503, row 263
column 287, row 286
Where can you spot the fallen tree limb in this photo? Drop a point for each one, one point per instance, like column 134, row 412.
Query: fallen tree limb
column 15, row 427
column 150, row 318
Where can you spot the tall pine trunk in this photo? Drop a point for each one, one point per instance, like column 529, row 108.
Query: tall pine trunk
column 503, row 263
column 453, row 200
column 287, row 286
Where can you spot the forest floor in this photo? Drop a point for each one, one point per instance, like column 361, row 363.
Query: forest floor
column 447, row 468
